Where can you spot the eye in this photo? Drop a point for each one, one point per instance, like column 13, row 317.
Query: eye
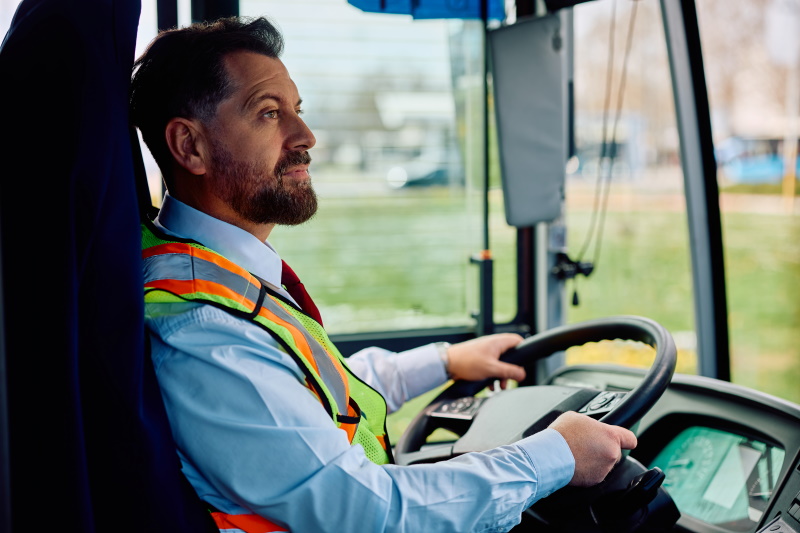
column 271, row 114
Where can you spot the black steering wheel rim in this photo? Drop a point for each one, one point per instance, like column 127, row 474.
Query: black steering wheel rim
column 627, row 327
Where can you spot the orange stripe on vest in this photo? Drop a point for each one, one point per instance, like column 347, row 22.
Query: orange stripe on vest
column 210, row 287
column 251, row 523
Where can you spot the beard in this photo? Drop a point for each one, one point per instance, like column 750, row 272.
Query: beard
column 262, row 196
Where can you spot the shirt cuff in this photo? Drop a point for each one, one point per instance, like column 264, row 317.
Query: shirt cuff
column 426, row 367
column 552, row 460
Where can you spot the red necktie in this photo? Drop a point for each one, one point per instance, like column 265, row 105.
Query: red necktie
column 297, row 291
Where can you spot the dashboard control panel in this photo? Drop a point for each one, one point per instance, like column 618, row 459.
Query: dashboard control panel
column 459, row 409
column 602, row 403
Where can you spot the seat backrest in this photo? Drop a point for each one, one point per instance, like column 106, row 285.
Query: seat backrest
column 89, row 443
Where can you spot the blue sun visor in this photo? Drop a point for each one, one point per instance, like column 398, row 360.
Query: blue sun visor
column 434, row 9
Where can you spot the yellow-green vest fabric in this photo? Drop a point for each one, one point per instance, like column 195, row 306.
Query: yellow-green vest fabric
column 182, row 270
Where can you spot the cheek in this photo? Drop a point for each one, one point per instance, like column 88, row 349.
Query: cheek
column 248, row 143
column 262, row 153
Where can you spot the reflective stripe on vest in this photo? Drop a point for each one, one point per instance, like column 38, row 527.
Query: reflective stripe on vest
column 170, row 267
column 245, row 523
column 187, row 271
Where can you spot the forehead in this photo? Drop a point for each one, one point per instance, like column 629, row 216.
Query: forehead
column 256, row 76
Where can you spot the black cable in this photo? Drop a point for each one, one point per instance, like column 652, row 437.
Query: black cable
column 612, row 158
column 606, row 105
column 603, row 186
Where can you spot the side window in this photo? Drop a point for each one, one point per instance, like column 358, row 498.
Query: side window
column 7, row 9
column 395, row 105
column 148, row 29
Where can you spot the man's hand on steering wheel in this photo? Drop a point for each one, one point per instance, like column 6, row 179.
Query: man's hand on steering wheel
column 479, row 359
column 596, row 447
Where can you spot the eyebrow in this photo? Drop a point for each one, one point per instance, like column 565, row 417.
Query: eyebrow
column 254, row 101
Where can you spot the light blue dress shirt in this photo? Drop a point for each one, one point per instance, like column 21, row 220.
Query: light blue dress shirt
column 252, row 438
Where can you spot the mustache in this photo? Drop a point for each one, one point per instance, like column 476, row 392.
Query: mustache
column 291, row 159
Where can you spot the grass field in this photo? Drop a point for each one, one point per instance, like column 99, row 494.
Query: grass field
column 402, row 261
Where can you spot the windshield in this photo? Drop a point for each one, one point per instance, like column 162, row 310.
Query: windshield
column 752, row 58
column 644, row 267
column 625, row 202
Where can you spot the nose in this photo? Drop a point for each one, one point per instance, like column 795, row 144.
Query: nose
column 302, row 138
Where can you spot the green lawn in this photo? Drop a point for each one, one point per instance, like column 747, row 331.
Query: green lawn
column 763, row 281
column 395, row 261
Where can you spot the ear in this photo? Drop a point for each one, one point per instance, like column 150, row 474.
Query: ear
column 186, row 143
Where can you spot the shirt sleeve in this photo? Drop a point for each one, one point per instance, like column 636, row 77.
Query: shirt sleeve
column 252, row 438
column 402, row 376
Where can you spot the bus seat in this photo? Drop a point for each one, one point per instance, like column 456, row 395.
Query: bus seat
column 88, row 440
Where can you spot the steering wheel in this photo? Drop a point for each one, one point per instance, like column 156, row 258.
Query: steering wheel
column 506, row 417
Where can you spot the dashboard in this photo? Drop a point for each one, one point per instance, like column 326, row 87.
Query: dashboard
column 730, row 454
column 720, row 477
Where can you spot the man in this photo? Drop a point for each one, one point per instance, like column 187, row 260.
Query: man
column 274, row 430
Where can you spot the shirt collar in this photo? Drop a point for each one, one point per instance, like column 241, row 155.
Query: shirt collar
column 236, row 244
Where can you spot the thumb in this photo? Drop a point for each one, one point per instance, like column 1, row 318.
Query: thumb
column 627, row 440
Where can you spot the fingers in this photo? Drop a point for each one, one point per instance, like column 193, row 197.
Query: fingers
column 595, row 446
column 504, row 341
column 502, row 383
column 506, row 371
column 478, row 359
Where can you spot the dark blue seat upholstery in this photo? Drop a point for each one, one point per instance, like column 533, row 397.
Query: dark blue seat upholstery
column 89, row 445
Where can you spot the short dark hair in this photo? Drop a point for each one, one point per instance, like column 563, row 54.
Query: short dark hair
column 182, row 74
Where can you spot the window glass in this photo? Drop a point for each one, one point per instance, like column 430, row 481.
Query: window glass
column 752, row 61
column 148, row 29
column 625, row 205
column 395, row 105
column 503, row 238
column 7, row 9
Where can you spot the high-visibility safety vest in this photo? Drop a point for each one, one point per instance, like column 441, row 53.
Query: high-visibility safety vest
column 178, row 270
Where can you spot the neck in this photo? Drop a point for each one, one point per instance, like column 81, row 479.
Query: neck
column 213, row 206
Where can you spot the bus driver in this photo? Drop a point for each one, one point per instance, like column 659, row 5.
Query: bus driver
column 274, row 429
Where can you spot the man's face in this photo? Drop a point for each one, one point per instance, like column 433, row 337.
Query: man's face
column 258, row 142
